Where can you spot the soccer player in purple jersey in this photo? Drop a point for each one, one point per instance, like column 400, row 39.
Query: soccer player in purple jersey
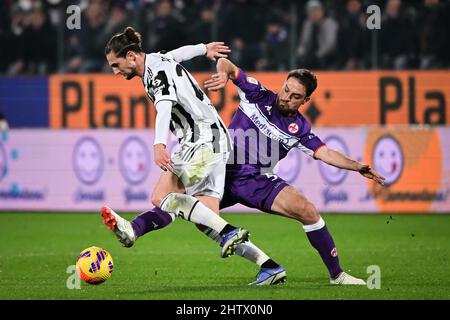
column 276, row 116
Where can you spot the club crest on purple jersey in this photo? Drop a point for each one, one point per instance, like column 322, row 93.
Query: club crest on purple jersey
column 293, row 128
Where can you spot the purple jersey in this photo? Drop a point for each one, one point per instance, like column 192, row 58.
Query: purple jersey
column 261, row 134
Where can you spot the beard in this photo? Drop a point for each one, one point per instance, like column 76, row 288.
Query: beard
column 131, row 74
column 284, row 110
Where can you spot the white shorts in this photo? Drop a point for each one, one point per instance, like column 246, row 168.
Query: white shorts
column 201, row 171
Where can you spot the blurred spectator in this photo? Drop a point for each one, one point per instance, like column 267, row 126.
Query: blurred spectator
column 165, row 30
column 434, row 34
column 242, row 27
column 237, row 53
column 4, row 32
column 243, row 19
column 191, row 10
column 396, row 38
column 351, row 36
column 275, row 46
column 31, row 40
column 120, row 17
column 201, row 32
column 13, row 35
column 39, row 43
column 318, row 40
column 86, row 49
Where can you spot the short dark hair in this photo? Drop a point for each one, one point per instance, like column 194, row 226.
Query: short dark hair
column 306, row 78
column 121, row 43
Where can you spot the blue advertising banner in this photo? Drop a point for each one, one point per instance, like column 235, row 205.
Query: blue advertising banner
column 24, row 101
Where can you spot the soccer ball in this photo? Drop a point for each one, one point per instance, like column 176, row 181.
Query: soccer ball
column 94, row 265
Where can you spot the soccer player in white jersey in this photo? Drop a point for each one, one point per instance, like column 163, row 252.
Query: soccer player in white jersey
column 198, row 168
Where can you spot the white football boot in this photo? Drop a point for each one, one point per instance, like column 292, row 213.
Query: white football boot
column 231, row 239
column 122, row 228
column 270, row 276
column 345, row 279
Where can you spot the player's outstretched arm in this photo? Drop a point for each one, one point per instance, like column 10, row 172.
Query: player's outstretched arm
column 337, row 159
column 225, row 70
column 212, row 51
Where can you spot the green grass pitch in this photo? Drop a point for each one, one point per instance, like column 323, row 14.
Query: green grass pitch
column 178, row 262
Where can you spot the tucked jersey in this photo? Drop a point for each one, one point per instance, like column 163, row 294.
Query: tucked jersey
column 194, row 119
column 261, row 134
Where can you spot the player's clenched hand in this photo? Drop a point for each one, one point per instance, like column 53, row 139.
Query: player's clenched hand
column 162, row 158
column 216, row 50
column 217, row 81
column 366, row 171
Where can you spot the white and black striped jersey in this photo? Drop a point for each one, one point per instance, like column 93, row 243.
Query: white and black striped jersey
column 194, row 119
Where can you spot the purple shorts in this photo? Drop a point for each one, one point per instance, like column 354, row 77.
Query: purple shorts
column 253, row 190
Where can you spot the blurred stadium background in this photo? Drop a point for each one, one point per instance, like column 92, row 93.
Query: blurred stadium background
column 74, row 137
column 264, row 35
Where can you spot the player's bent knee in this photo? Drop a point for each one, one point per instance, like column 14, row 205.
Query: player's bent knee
column 156, row 202
column 305, row 212
column 298, row 208
column 311, row 214
column 157, row 199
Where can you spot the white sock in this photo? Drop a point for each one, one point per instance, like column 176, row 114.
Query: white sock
column 316, row 226
column 191, row 209
column 246, row 249
column 251, row 252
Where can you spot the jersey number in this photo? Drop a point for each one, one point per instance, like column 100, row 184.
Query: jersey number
column 272, row 177
column 198, row 92
column 162, row 82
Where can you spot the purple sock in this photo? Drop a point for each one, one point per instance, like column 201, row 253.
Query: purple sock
column 153, row 219
column 321, row 240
